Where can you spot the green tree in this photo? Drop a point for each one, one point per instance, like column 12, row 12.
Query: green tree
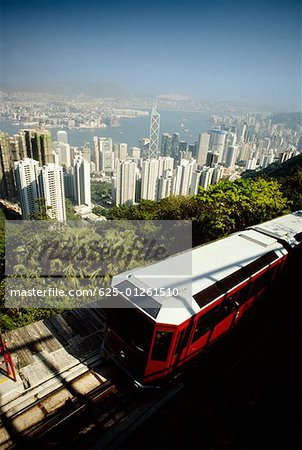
column 41, row 213
column 231, row 206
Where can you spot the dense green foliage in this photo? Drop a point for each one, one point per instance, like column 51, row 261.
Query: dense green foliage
column 222, row 209
column 101, row 193
column 216, row 212
column 289, row 176
column 70, row 214
column 41, row 213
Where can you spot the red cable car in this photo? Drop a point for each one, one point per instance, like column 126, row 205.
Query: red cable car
column 162, row 318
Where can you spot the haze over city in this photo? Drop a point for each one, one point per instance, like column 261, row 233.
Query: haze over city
column 241, row 51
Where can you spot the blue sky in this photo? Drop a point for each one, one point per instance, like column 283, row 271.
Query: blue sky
column 241, row 50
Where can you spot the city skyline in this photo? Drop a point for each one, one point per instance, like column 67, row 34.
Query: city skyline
column 238, row 50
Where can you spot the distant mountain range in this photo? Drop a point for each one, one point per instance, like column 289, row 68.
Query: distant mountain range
column 93, row 89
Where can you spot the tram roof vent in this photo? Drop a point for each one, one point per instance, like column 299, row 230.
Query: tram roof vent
column 261, row 239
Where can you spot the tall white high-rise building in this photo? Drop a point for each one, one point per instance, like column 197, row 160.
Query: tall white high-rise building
column 183, row 177
column 195, row 182
column 243, row 132
column 85, row 152
column 206, row 177
column 267, row 159
column 62, row 136
column 164, row 185
column 122, row 151
column 154, row 134
column 81, row 174
column 217, row 174
column 150, row 173
column 165, row 163
column 106, row 155
column 231, row 156
column 135, row 152
column 51, row 184
column 217, row 141
column 230, row 140
column 95, row 156
column 125, row 183
column 251, row 164
column 64, row 153
column 26, row 176
column 203, row 148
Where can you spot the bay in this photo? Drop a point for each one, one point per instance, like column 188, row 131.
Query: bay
column 187, row 124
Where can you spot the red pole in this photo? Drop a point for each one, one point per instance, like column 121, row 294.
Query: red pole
column 10, row 368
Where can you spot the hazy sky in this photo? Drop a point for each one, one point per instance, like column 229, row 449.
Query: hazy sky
column 239, row 50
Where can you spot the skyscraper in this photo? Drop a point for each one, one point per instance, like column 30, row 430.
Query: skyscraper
column 26, row 176
column 125, row 183
column 122, row 151
column 217, row 174
column 106, row 155
column 164, row 163
column 164, row 185
column 193, row 149
column 231, row 156
column 95, row 156
column 6, row 172
column 69, row 183
column 230, row 141
column 150, row 173
column 81, row 174
column 175, row 146
column 154, row 134
column 64, row 153
column 166, row 144
column 183, row 177
column 183, row 146
column 206, row 177
column 135, row 152
column 217, row 141
column 212, row 159
column 62, row 136
column 39, row 145
column 203, row 148
column 51, row 186
column 195, row 182
column 85, row 152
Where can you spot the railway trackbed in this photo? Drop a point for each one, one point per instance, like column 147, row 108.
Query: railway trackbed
column 86, row 410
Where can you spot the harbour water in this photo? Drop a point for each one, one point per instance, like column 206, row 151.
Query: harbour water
column 187, row 124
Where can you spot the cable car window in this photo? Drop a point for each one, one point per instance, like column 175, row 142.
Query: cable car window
column 134, row 327
column 207, row 295
column 243, row 294
column 259, row 283
column 260, row 263
column 227, row 283
column 228, row 306
column 139, row 298
column 184, row 337
column 206, row 323
column 180, row 341
column 161, row 345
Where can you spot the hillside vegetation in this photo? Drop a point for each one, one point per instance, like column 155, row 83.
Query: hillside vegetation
column 222, row 209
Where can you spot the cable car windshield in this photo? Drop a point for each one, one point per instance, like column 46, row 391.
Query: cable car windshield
column 134, row 327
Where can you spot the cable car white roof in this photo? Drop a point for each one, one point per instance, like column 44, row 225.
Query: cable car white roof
column 286, row 227
column 195, row 270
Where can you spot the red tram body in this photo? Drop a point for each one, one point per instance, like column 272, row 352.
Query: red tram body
column 152, row 337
